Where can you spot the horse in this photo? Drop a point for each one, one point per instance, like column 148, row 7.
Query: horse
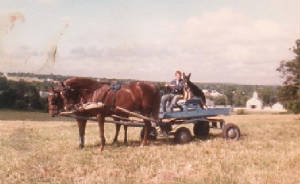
column 57, row 102
column 136, row 96
column 77, row 91
column 191, row 90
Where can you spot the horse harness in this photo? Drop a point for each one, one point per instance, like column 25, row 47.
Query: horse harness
column 114, row 88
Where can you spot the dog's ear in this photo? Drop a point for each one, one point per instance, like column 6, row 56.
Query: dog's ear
column 189, row 76
column 183, row 74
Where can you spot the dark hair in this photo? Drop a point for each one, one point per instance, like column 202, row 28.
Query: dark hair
column 178, row 72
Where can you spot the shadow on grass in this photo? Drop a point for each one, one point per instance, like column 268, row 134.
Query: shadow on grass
column 162, row 141
column 133, row 143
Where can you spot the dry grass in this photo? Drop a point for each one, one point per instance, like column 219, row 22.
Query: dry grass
column 7, row 114
column 46, row 152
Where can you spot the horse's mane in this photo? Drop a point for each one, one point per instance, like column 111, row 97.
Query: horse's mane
column 83, row 83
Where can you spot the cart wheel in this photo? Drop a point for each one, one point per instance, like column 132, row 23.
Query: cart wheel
column 183, row 135
column 201, row 129
column 152, row 134
column 231, row 132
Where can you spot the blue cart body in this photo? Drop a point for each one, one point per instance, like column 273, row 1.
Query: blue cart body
column 192, row 110
column 196, row 113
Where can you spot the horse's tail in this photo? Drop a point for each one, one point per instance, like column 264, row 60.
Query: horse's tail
column 156, row 104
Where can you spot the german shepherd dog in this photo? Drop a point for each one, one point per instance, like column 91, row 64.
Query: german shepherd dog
column 191, row 90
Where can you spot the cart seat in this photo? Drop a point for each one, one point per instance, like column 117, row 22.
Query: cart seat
column 193, row 101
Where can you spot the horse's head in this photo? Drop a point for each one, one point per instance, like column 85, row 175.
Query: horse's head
column 186, row 79
column 55, row 101
column 69, row 96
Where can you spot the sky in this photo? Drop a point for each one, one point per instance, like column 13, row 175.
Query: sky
column 223, row 41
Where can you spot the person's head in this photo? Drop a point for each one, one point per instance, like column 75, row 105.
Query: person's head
column 178, row 75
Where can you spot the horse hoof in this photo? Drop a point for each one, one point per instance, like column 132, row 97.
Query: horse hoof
column 101, row 148
column 81, row 146
column 144, row 144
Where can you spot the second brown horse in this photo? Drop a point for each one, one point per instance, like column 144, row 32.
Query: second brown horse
column 142, row 97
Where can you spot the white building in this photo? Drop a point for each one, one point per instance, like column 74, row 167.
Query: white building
column 278, row 107
column 254, row 102
column 212, row 93
column 215, row 93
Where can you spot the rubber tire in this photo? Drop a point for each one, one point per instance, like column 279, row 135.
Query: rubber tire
column 231, row 132
column 152, row 134
column 183, row 136
column 201, row 129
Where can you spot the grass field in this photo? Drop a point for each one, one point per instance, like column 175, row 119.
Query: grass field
column 7, row 114
column 47, row 152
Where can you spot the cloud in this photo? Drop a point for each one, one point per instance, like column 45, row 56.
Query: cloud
column 45, row 2
column 230, row 44
column 217, row 46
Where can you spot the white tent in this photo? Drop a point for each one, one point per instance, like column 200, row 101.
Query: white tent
column 254, row 102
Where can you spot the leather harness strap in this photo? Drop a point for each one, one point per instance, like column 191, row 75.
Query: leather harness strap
column 113, row 98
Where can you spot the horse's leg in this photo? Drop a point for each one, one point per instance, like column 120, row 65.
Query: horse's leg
column 117, row 133
column 146, row 132
column 101, row 131
column 81, row 127
column 125, row 134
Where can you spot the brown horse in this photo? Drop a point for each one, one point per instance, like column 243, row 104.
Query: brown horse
column 78, row 91
column 137, row 96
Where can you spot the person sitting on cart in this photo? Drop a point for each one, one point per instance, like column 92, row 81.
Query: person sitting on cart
column 176, row 86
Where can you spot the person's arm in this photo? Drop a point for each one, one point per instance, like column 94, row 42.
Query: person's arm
column 179, row 87
column 172, row 84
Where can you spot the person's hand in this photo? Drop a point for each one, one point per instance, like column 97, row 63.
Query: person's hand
column 167, row 85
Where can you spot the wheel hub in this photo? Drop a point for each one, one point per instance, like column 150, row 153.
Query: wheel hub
column 231, row 133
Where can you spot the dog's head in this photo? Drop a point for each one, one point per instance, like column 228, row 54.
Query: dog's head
column 186, row 79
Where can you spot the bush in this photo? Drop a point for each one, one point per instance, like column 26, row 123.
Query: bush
column 240, row 112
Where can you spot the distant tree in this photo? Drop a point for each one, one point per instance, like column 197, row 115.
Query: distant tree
column 289, row 93
column 7, row 98
column 268, row 95
column 3, row 84
column 240, row 98
column 229, row 93
column 220, row 100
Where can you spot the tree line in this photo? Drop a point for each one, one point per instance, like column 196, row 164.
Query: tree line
column 24, row 95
